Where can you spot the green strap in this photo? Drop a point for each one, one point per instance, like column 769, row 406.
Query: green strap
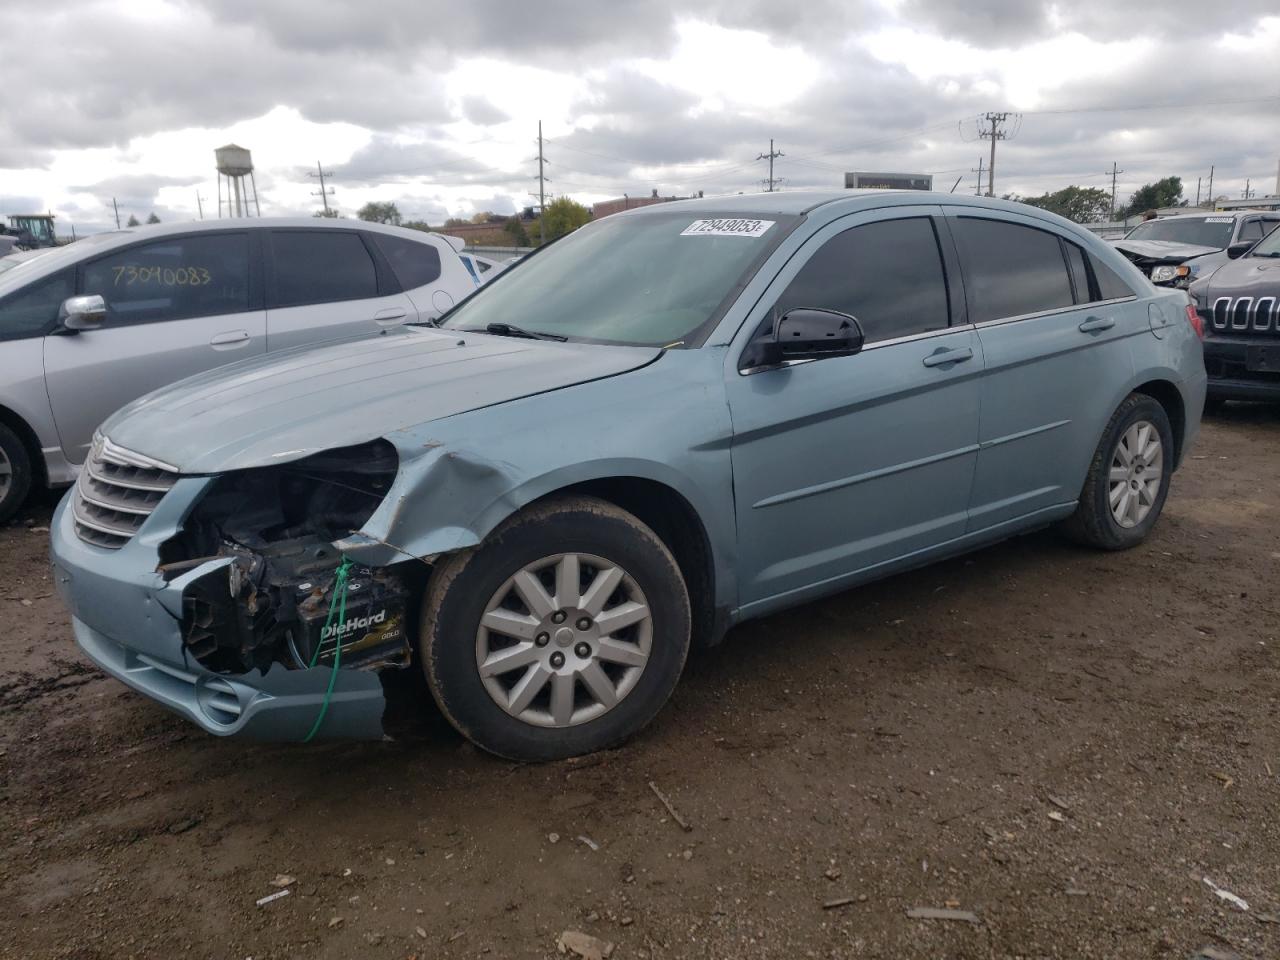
column 337, row 604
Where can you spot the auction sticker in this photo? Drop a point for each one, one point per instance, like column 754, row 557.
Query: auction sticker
column 1218, row 219
column 727, row 227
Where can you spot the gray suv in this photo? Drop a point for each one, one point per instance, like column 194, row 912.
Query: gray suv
column 88, row 327
column 672, row 420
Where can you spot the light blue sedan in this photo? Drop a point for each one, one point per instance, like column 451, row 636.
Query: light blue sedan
column 668, row 422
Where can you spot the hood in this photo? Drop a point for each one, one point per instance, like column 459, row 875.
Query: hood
column 287, row 405
column 1161, row 251
column 1246, row 277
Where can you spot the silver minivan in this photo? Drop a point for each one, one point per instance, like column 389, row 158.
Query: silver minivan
column 89, row 327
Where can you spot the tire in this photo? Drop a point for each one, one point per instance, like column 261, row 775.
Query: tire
column 1095, row 522
column 15, row 473
column 474, row 595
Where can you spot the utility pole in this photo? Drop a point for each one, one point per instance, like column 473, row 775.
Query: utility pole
column 771, row 156
column 117, row 210
column 323, row 193
column 978, row 190
column 1114, row 172
column 1212, row 205
column 542, row 191
column 200, row 204
column 993, row 133
column 1248, row 194
column 1198, row 179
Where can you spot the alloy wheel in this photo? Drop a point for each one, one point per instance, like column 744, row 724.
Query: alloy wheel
column 6, row 473
column 1137, row 468
column 564, row 640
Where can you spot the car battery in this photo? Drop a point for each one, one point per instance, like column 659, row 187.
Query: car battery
column 372, row 630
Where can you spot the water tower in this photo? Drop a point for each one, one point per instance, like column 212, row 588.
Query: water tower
column 236, row 167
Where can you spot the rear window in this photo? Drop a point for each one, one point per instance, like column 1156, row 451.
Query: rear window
column 414, row 264
column 1011, row 270
column 321, row 266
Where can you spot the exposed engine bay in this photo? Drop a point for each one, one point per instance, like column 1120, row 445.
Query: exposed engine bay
column 277, row 596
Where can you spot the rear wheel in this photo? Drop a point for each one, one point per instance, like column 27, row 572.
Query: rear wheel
column 15, row 472
column 1128, row 478
column 563, row 633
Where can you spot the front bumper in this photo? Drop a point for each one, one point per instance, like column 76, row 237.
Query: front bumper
column 127, row 619
column 1225, row 361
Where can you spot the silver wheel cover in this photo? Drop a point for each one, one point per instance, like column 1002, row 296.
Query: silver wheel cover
column 6, row 474
column 564, row 640
column 1137, row 469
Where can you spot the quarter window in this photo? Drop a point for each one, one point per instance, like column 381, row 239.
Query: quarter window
column 888, row 274
column 321, row 266
column 414, row 264
column 32, row 311
column 196, row 276
column 1251, row 230
column 1110, row 286
column 1010, row 270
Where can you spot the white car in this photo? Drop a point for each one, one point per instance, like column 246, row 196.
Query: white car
column 89, row 327
column 482, row 269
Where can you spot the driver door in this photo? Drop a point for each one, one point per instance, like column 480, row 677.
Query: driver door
column 842, row 466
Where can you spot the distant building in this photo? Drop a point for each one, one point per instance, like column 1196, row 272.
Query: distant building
column 608, row 207
column 888, row 181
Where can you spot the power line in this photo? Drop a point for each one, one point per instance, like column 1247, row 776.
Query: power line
column 771, row 156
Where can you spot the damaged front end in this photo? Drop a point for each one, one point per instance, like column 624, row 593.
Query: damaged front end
column 270, row 596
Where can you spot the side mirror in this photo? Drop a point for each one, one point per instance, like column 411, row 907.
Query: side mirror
column 82, row 313
column 1240, row 248
column 810, row 333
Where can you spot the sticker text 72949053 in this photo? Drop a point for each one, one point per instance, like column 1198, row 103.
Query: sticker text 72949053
column 727, row 227
column 164, row 276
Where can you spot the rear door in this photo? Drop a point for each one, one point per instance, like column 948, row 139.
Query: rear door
column 1053, row 323
column 326, row 284
column 175, row 307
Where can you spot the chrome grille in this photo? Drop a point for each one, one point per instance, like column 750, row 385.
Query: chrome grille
column 117, row 490
column 1245, row 315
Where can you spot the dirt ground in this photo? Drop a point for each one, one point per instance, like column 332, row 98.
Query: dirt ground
column 1063, row 742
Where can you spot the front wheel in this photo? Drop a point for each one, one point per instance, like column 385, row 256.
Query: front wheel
column 15, row 473
column 563, row 633
column 1128, row 478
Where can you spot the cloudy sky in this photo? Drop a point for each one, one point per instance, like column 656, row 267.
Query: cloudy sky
column 434, row 104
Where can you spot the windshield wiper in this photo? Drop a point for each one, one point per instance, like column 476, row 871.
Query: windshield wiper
column 511, row 330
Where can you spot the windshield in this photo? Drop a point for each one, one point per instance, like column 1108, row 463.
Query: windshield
column 654, row 279
column 1202, row 231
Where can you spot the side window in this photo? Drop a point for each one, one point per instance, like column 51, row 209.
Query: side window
column 321, row 266
column 888, row 274
column 1079, row 273
column 32, row 311
column 1251, row 230
column 1010, row 270
column 1110, row 284
column 196, row 276
column 414, row 264
column 485, row 266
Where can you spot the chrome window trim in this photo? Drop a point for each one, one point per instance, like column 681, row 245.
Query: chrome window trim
column 1055, row 311
column 926, row 335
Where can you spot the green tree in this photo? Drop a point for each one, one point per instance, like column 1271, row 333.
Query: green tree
column 1152, row 196
column 1079, row 204
column 133, row 221
column 515, row 230
column 562, row 216
column 152, row 218
column 328, row 214
column 484, row 216
column 456, row 222
column 376, row 211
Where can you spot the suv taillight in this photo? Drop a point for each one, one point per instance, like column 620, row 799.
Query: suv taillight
column 1196, row 321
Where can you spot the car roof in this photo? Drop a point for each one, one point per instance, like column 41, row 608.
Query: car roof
column 797, row 202
column 1234, row 214
column 56, row 258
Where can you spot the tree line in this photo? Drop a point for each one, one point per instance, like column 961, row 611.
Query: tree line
column 1093, row 204
column 561, row 216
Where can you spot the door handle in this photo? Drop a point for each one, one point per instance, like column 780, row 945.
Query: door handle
column 390, row 315
column 959, row 355
column 231, row 338
column 1096, row 324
